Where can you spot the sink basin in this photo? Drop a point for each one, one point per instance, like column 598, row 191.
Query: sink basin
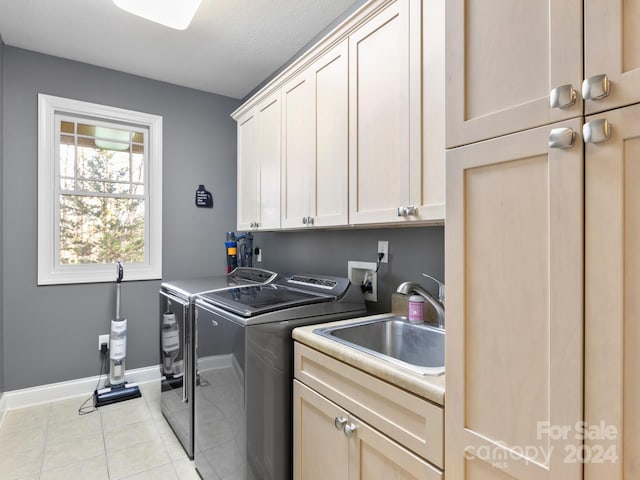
column 416, row 347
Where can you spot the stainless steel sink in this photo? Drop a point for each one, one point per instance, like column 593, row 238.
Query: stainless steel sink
column 416, row 347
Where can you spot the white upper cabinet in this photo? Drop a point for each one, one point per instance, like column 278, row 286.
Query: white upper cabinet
column 507, row 61
column 384, row 103
column 315, row 143
column 612, row 49
column 248, row 171
column 361, row 139
column 259, row 166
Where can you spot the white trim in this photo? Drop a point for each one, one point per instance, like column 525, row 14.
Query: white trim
column 52, row 392
column 49, row 273
column 3, row 407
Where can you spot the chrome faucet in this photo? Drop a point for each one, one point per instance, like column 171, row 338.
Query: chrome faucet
column 407, row 288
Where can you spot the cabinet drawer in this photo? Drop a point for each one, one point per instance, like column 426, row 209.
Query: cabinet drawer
column 410, row 420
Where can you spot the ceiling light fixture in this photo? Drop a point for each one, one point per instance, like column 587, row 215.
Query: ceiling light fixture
column 171, row 13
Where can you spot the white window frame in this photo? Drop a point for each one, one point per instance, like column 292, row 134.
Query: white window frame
column 50, row 272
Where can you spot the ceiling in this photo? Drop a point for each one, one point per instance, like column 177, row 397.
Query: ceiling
column 230, row 47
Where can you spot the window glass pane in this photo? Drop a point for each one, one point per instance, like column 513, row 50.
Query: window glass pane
column 137, row 148
column 138, row 137
column 101, row 230
column 137, row 168
column 67, row 160
column 67, row 139
column 67, row 184
column 67, row 127
column 92, row 162
column 118, row 167
column 86, row 142
column 89, row 130
column 89, row 186
column 110, row 145
column 104, row 132
column 137, row 189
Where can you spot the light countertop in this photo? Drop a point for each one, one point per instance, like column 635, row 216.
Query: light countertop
column 425, row 386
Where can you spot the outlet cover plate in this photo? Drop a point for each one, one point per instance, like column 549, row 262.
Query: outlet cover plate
column 103, row 339
column 383, row 247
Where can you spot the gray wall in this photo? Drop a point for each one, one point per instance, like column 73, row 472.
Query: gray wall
column 50, row 333
column 1, row 196
column 412, row 251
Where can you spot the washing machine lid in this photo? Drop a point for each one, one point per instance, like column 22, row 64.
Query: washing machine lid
column 240, row 276
column 250, row 300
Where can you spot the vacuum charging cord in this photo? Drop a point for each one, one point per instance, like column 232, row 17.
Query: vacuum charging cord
column 84, row 408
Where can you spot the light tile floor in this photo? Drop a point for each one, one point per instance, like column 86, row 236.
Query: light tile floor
column 127, row 440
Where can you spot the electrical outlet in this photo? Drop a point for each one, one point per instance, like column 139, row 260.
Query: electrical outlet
column 383, row 247
column 103, row 340
column 258, row 253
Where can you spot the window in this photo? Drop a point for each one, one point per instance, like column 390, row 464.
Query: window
column 99, row 192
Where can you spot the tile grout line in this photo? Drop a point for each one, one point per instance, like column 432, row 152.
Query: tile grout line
column 104, row 444
column 171, row 461
column 46, row 439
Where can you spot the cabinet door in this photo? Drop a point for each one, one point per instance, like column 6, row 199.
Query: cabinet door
column 612, row 47
column 503, row 59
column 383, row 94
column 427, row 180
column 320, row 451
column 514, row 269
column 330, row 190
column 315, row 143
column 372, row 456
column 298, row 149
column 268, row 145
column 248, row 172
column 612, row 315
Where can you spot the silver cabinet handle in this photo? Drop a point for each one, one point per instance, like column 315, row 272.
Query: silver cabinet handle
column 596, row 87
column 349, row 428
column 596, row 131
column 309, row 220
column 562, row 138
column 304, row 220
column 340, row 422
column 563, row 96
column 406, row 211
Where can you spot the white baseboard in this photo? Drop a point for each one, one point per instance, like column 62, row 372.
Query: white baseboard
column 59, row 391
column 3, row 406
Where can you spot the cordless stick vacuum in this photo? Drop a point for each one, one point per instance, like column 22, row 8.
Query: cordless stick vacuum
column 117, row 389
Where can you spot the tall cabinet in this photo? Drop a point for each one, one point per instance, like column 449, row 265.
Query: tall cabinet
column 513, row 260
column 541, row 263
column 612, row 362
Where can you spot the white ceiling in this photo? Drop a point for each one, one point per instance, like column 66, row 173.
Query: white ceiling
column 229, row 48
